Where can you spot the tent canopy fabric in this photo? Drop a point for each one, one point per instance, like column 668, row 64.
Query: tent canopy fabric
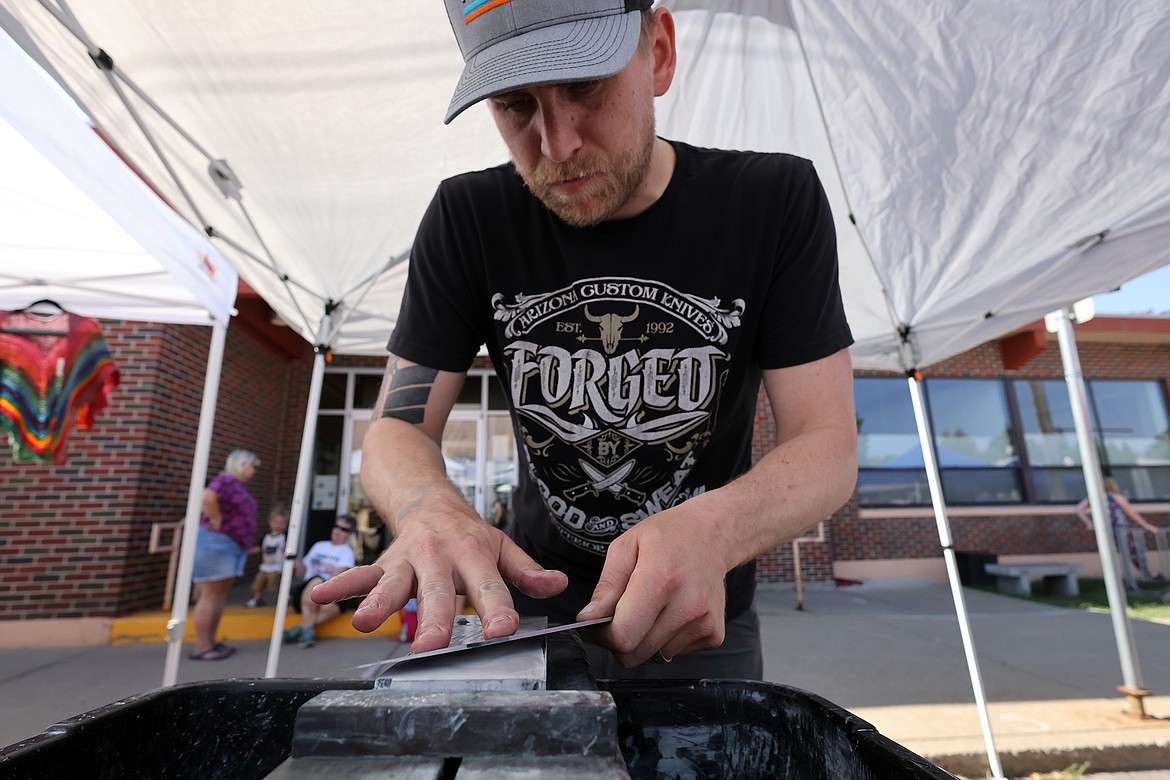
column 967, row 148
column 986, row 162
column 79, row 227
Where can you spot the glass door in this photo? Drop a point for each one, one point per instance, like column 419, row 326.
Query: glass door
column 461, row 447
column 500, row 470
column 372, row 535
column 478, row 450
column 353, row 496
column 481, row 460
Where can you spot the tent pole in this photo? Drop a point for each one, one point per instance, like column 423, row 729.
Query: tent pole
column 177, row 625
column 299, row 510
column 925, row 438
column 796, row 575
column 1110, row 569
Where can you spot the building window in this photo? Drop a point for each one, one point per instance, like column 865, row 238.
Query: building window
column 891, row 470
column 1129, row 423
column 1009, row 442
column 366, row 389
column 1132, row 437
column 1050, row 440
column 1047, row 422
column 973, row 441
column 334, row 390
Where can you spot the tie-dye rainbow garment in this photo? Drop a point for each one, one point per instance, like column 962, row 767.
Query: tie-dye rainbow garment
column 50, row 382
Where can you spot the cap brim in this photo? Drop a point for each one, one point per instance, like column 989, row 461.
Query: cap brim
column 574, row 51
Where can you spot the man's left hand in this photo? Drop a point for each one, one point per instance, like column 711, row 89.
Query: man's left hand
column 665, row 589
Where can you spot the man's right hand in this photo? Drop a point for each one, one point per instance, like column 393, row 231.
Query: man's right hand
column 443, row 549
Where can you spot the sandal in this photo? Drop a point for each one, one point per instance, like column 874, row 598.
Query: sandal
column 216, row 652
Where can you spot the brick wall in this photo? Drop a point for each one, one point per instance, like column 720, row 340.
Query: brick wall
column 816, row 554
column 1108, row 360
column 74, row 538
column 66, row 531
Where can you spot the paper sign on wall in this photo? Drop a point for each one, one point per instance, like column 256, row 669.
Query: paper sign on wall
column 324, row 491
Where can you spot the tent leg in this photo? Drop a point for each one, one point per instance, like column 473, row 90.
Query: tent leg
column 1110, row 563
column 298, row 512
column 925, row 438
column 177, row 625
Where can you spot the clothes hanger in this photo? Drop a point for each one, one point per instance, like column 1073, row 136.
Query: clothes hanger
column 18, row 331
column 43, row 302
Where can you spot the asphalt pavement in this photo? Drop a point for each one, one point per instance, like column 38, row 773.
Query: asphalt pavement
column 890, row 652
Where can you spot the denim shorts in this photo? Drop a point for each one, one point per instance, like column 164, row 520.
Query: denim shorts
column 217, row 557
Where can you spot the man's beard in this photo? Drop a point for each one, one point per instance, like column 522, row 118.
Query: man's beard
column 615, row 180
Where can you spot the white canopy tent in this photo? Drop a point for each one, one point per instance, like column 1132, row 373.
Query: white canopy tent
column 987, row 162
column 975, row 155
column 79, row 227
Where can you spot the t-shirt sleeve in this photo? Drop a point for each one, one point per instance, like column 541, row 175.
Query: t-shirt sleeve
column 217, row 484
column 438, row 323
column 804, row 318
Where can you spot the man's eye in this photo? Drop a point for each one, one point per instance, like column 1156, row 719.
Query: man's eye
column 513, row 104
column 583, row 87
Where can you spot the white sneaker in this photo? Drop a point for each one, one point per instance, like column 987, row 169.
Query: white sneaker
column 252, row 603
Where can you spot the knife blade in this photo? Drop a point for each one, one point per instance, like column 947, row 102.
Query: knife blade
column 520, row 635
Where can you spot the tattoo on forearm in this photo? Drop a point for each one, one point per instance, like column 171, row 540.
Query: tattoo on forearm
column 410, row 387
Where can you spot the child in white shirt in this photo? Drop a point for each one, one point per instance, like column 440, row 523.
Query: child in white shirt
column 271, row 550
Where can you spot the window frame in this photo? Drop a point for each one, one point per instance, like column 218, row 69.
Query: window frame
column 1027, row 475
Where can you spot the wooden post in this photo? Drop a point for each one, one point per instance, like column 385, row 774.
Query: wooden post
column 156, row 531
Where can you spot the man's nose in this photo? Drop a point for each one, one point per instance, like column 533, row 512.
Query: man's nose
column 559, row 137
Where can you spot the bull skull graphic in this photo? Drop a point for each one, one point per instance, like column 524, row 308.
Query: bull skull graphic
column 610, row 326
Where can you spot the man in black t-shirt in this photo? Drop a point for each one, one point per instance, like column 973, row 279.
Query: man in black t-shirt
column 633, row 294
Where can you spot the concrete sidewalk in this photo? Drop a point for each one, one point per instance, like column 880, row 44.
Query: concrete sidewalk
column 890, row 652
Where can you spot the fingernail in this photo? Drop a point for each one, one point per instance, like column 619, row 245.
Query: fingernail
column 498, row 621
column 590, row 608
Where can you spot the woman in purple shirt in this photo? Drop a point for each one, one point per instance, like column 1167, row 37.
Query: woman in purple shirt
column 227, row 531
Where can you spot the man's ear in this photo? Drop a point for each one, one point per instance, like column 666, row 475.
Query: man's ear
column 663, row 50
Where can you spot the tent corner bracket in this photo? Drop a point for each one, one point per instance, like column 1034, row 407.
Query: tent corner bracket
column 102, row 60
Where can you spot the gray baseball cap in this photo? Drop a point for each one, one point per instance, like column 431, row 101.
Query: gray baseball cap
column 512, row 44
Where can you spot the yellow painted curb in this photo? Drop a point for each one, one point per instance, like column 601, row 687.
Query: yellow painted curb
column 237, row 625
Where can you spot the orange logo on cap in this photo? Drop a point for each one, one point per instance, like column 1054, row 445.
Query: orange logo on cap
column 477, row 8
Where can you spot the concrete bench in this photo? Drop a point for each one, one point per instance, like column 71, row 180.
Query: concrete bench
column 1059, row 579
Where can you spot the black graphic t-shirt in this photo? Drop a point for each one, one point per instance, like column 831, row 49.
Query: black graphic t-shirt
column 631, row 352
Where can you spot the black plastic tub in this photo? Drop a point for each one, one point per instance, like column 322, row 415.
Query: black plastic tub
column 227, row 728
column 724, row 729
column 703, row 729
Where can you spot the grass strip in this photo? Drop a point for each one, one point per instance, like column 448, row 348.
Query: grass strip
column 1093, row 596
